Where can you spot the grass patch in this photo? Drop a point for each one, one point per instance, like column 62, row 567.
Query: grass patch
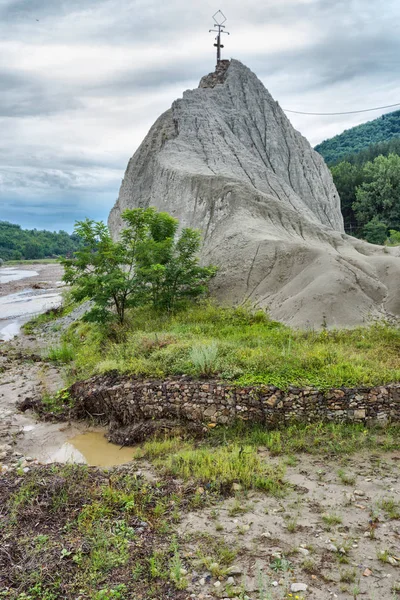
column 63, row 354
column 75, row 531
column 239, row 346
column 391, row 508
column 314, row 438
column 32, row 261
column 330, row 519
column 224, row 466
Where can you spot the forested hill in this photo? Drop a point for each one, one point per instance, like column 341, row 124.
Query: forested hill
column 359, row 138
column 17, row 243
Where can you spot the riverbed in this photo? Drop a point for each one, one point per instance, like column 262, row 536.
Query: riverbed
column 26, row 291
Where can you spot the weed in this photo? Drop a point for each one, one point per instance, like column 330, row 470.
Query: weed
column 391, row 508
column 178, row 573
column 280, row 564
column 225, row 466
column 292, row 525
column 331, row 519
column 348, row 576
column 237, row 509
column 204, row 359
column 61, row 354
column 383, row 555
column 308, row 565
column 345, row 478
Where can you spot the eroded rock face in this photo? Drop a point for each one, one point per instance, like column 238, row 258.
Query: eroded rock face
column 226, row 159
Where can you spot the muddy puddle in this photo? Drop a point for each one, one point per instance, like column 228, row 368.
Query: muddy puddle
column 93, row 449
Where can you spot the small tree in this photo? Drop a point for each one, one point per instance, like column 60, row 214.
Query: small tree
column 375, row 231
column 150, row 264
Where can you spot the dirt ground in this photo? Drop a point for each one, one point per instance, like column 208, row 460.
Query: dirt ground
column 333, row 532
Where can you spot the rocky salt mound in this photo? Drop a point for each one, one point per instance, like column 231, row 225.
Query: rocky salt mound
column 226, row 159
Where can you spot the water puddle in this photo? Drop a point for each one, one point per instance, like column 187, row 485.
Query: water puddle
column 16, row 309
column 8, row 274
column 92, row 448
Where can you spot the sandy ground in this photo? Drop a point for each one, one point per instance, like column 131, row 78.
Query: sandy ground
column 48, row 276
column 334, row 560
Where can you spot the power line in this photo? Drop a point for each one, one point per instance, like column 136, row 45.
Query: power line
column 350, row 112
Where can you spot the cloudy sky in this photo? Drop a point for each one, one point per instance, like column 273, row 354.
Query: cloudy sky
column 82, row 81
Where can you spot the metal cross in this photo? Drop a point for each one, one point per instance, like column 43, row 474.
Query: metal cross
column 219, row 20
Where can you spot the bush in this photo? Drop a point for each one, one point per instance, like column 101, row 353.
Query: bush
column 204, row 359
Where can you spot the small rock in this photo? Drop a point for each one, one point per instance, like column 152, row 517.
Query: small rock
column 332, row 548
column 274, row 583
column 392, row 561
column 202, row 581
column 359, row 493
column 230, row 581
column 303, row 551
column 235, row 570
column 217, row 584
column 236, row 487
column 342, row 550
column 367, row 573
column 298, row 587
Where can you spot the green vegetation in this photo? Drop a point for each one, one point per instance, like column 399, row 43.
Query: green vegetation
column 370, row 200
column 150, row 265
column 109, row 535
column 360, row 137
column 78, row 532
column 17, row 243
column 247, row 348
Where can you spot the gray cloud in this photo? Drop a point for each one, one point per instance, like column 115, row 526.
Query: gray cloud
column 82, row 81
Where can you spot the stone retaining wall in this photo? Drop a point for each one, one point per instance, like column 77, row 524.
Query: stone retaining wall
column 126, row 400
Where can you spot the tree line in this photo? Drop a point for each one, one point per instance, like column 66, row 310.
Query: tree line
column 18, row 244
column 368, row 183
column 357, row 139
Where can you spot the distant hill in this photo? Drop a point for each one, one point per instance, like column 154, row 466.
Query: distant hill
column 359, row 138
column 17, row 243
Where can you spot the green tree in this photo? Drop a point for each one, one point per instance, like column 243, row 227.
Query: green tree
column 394, row 238
column 375, row 231
column 346, row 178
column 379, row 194
column 150, row 264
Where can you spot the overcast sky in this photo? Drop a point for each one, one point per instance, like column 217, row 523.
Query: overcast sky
column 82, row 81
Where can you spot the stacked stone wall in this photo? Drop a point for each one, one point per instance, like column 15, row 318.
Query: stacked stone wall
column 126, row 400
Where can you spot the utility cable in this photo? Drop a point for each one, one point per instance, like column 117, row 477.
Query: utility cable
column 350, row 112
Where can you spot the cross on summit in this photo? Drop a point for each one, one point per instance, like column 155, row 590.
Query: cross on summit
column 219, row 20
